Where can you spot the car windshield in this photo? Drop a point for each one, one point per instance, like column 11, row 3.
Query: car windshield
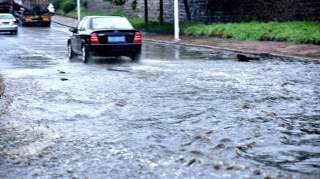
column 111, row 23
column 6, row 16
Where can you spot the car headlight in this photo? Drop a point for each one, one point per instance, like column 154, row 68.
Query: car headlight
column 14, row 23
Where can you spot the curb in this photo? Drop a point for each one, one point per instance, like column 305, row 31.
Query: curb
column 62, row 24
column 261, row 54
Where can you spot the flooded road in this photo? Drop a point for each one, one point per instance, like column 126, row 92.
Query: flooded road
column 182, row 112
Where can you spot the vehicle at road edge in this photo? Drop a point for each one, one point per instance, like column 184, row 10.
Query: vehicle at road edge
column 6, row 6
column 8, row 23
column 107, row 36
column 31, row 12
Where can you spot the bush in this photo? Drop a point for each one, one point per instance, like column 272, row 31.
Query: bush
column 57, row 3
column 117, row 2
column 68, row 6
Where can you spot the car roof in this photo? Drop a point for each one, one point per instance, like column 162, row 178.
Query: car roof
column 5, row 14
column 104, row 17
column 93, row 17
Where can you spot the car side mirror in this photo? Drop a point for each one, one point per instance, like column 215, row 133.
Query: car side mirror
column 73, row 30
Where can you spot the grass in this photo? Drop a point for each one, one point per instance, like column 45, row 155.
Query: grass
column 296, row 31
column 307, row 32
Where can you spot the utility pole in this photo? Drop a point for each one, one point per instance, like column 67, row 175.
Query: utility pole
column 78, row 10
column 176, row 21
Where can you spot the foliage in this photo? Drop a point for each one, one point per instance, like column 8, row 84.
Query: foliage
column 151, row 26
column 57, row 3
column 68, row 6
column 65, row 5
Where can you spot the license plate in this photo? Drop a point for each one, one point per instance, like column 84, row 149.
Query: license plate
column 116, row 39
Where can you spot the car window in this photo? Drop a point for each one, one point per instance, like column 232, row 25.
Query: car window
column 110, row 23
column 82, row 23
column 6, row 16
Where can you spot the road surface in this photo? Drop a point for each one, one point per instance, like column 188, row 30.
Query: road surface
column 182, row 112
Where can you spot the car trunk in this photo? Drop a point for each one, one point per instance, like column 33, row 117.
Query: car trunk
column 115, row 36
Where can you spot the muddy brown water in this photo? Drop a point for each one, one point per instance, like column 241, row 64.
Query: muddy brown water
column 182, row 112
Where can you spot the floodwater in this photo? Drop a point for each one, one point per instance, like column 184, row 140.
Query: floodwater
column 181, row 112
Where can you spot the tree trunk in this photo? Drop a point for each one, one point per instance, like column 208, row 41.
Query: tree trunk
column 146, row 13
column 161, row 11
column 187, row 9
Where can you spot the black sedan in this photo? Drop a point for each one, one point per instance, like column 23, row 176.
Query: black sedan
column 107, row 36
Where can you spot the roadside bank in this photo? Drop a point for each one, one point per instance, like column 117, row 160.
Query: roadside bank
column 278, row 49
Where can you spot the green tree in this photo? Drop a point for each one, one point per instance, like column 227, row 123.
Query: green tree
column 57, row 3
column 68, row 6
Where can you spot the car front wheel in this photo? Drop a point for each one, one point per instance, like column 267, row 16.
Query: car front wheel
column 15, row 32
column 71, row 54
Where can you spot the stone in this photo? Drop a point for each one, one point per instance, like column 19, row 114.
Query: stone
column 246, row 58
column 64, row 79
column 285, row 83
column 61, row 72
column 257, row 171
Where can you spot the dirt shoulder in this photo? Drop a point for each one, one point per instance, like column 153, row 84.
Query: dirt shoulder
column 252, row 47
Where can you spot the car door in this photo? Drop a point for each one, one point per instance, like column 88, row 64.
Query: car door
column 81, row 33
column 76, row 39
column 73, row 40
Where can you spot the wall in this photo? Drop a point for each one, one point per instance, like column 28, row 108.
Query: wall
column 265, row 10
column 233, row 10
column 100, row 5
column 222, row 10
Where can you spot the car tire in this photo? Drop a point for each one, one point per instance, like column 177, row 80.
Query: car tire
column 136, row 57
column 24, row 24
column 85, row 54
column 46, row 24
column 71, row 53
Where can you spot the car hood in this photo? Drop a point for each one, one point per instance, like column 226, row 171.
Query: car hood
column 7, row 20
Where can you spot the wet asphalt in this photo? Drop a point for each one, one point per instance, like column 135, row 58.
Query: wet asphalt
column 181, row 112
